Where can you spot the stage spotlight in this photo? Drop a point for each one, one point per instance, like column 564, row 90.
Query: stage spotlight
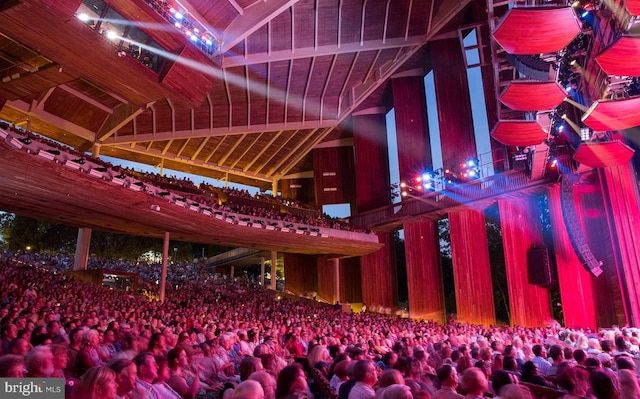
column 472, row 162
column 111, row 35
column 179, row 16
column 426, row 177
column 194, row 38
column 83, row 17
column 584, row 14
column 554, row 163
column 472, row 173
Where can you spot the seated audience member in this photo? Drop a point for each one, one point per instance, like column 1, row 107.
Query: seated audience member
column 539, row 359
column 606, row 361
column 575, row 381
column 628, row 385
column 399, row 391
column 160, row 383
column 12, row 366
column 97, row 383
column 448, row 378
column 147, row 373
column 340, row 375
column 474, row 383
column 39, row 362
column 365, row 376
column 387, row 378
column 557, row 357
column 579, row 357
column 267, row 382
column 514, row 391
column 60, row 360
column 292, row 383
column 248, row 366
column 19, row 346
column 126, row 376
column 248, row 390
column 605, row 384
column 502, row 378
column 530, row 375
column 625, row 363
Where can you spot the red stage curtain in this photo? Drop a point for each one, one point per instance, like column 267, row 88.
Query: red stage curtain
column 576, row 283
column 471, row 269
column 378, row 270
column 623, row 211
column 424, row 272
column 521, row 231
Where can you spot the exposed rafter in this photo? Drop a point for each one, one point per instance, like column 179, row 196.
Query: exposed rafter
column 36, row 109
column 253, row 19
column 331, row 49
column 224, row 131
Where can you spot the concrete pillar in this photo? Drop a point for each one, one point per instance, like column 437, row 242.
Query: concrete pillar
column 274, row 261
column 82, row 249
column 274, row 188
column 163, row 273
column 233, row 271
column 95, row 151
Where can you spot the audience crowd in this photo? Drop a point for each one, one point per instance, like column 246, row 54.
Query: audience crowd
column 215, row 337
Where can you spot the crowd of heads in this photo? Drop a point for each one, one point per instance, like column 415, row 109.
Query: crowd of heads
column 227, row 338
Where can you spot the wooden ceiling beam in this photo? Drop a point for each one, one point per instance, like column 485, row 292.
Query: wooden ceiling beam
column 86, row 98
column 226, row 156
column 274, row 153
column 246, row 150
column 36, row 110
column 201, row 164
column 122, row 114
column 291, row 153
column 262, row 151
column 219, row 131
column 253, row 19
column 331, row 49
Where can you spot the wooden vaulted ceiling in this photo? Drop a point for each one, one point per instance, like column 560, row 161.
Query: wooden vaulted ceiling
column 286, row 77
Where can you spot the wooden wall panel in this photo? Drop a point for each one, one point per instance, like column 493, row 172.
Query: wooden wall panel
column 333, row 170
column 414, row 148
column 300, row 273
column 576, row 283
column 521, row 231
column 471, row 269
column 454, row 106
column 371, row 161
column 424, row 271
column 350, row 280
column 193, row 85
column 379, row 275
column 327, row 275
column 623, row 211
column 298, row 189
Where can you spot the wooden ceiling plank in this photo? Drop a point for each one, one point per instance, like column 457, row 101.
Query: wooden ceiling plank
column 206, row 161
column 36, row 109
column 346, row 81
column 408, row 22
column 315, row 30
column 331, row 49
column 220, row 131
column 364, row 9
column 166, row 147
column 200, row 147
column 297, row 156
column 246, row 150
column 286, row 94
column 326, row 85
column 274, row 153
column 339, row 23
column 237, row 6
column 253, row 19
column 86, row 98
column 266, row 113
column 122, row 115
column 228, row 92
column 205, row 165
column 248, row 91
column 262, row 151
column 231, row 150
column 386, row 22
column 306, row 89
column 294, row 151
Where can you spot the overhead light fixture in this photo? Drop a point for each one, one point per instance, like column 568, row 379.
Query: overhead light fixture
column 6, row 79
column 15, row 76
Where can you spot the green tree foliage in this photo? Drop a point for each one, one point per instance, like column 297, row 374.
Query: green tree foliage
column 20, row 232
